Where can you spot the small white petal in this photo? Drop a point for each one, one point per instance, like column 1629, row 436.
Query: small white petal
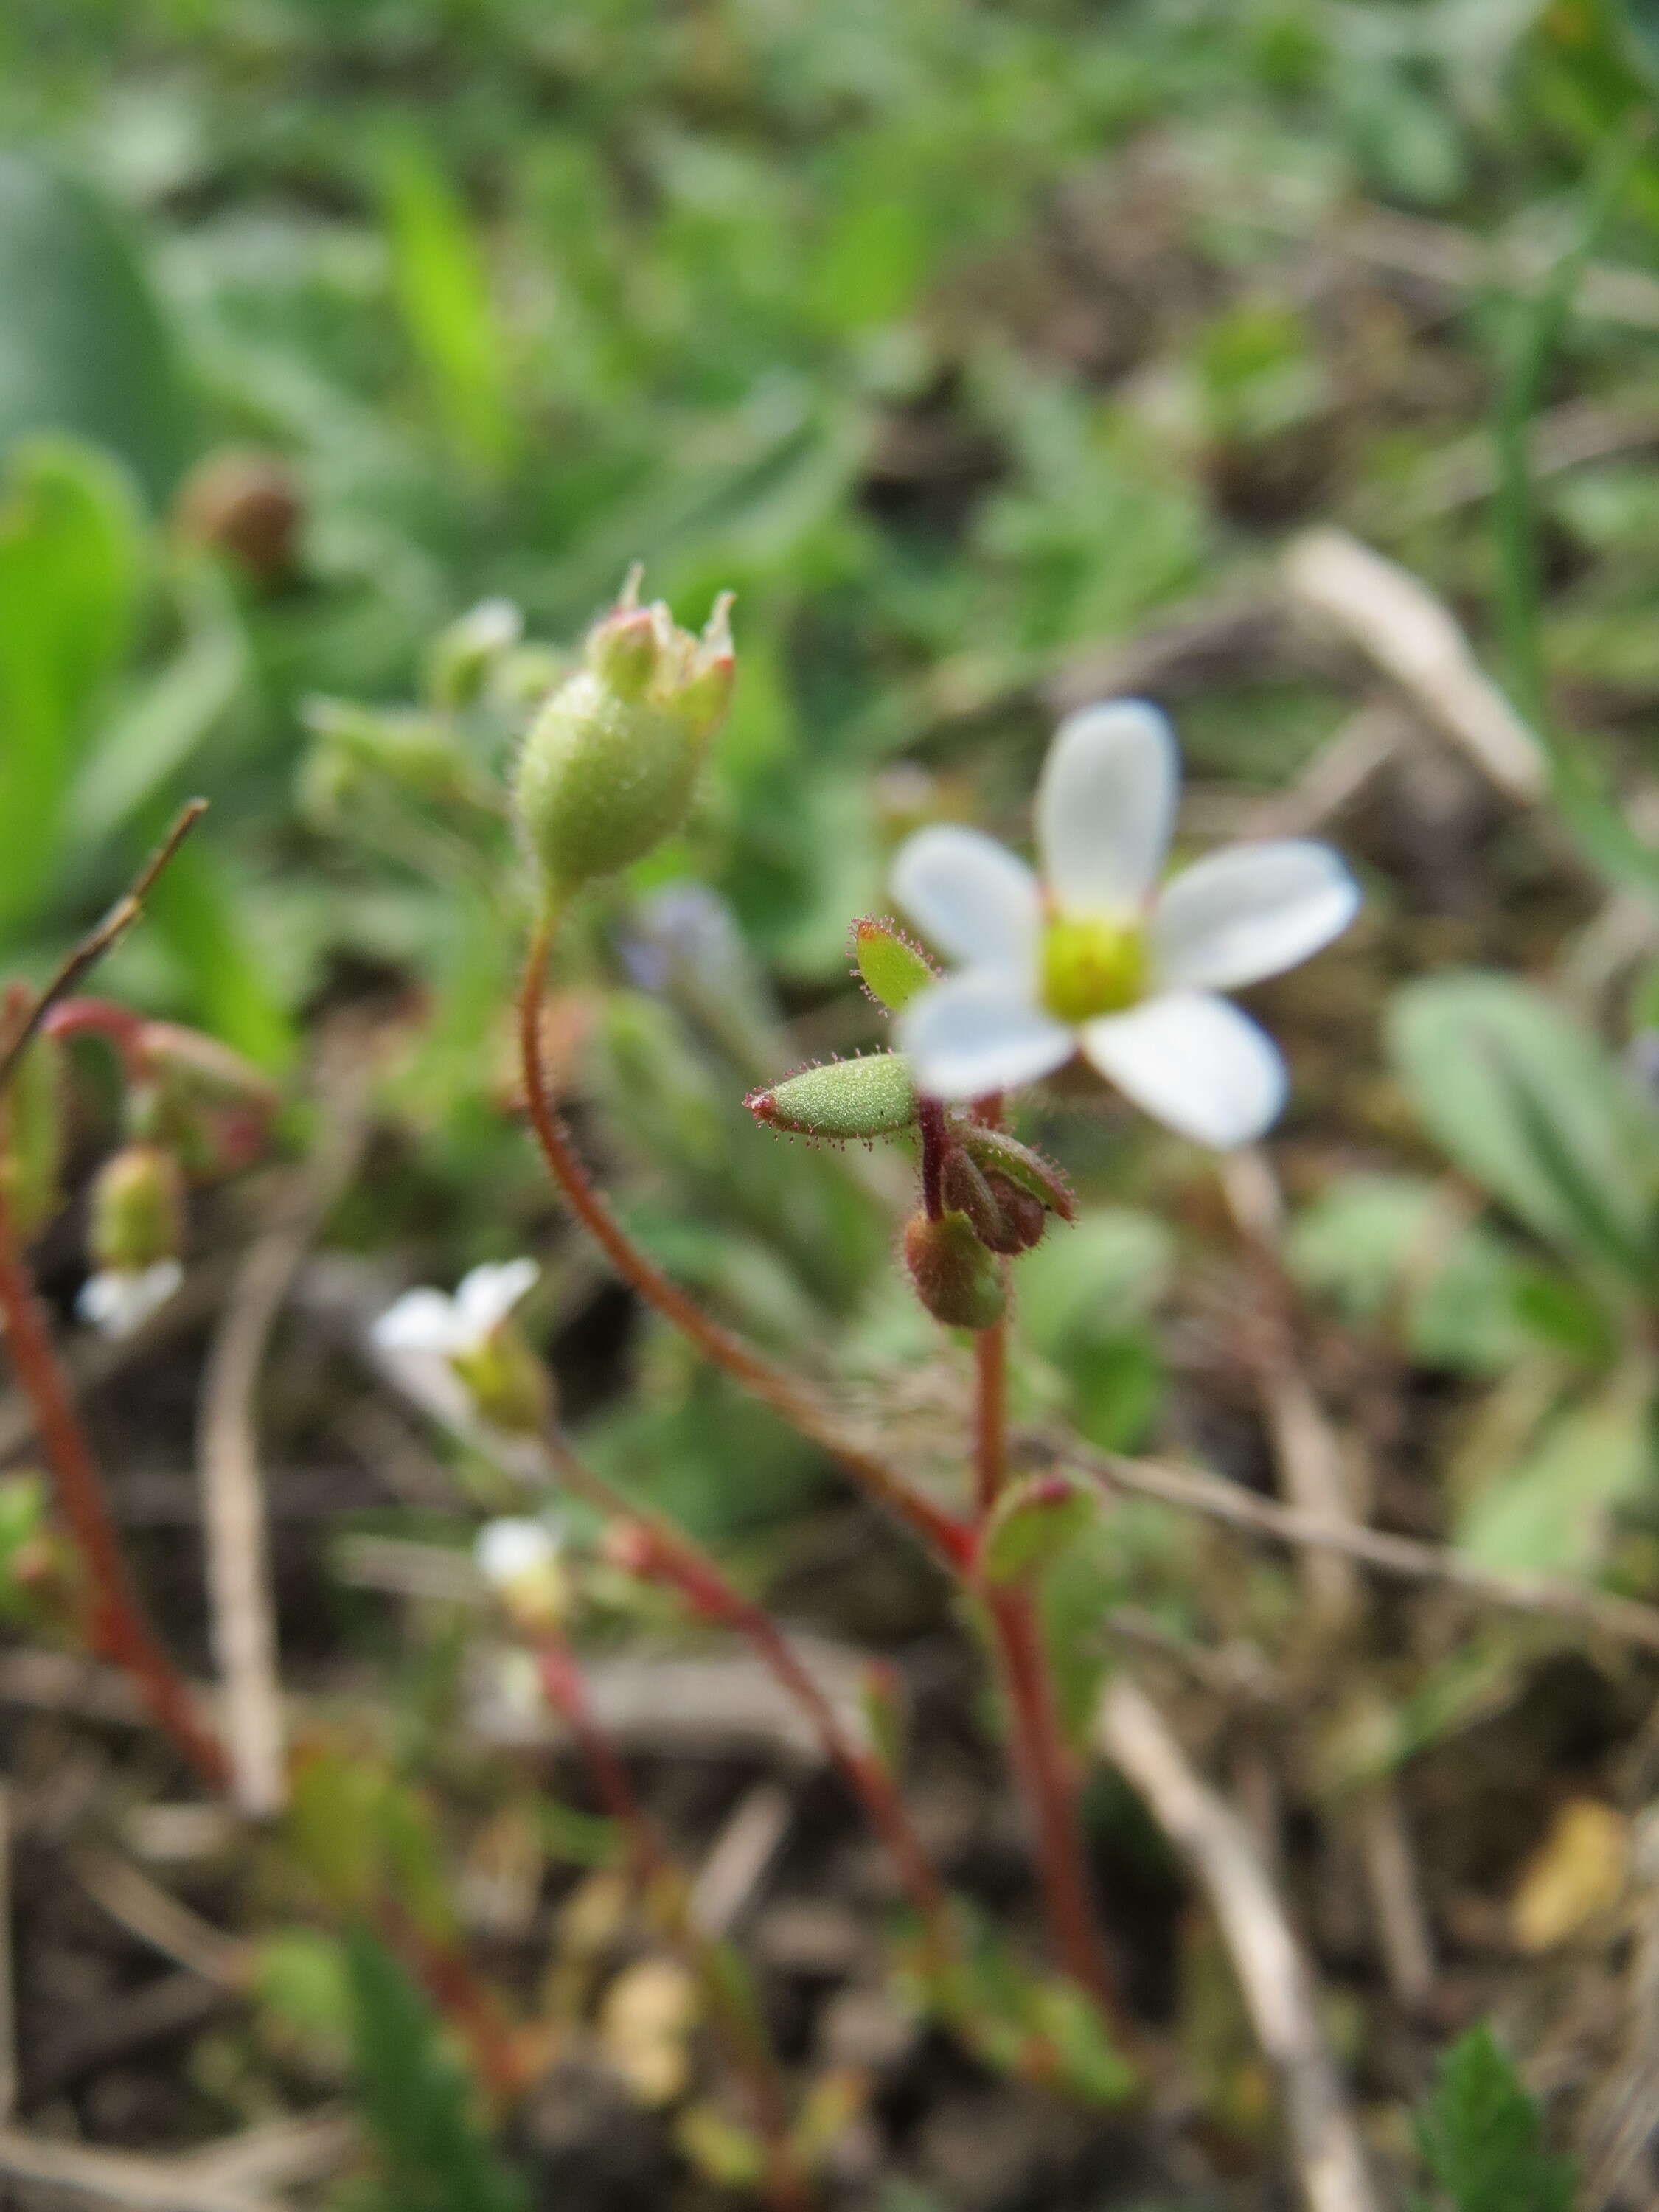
column 969, row 896
column 421, row 1321
column 981, row 1031
column 1105, row 807
column 507, row 1551
column 1194, row 1062
column 484, row 1297
column 117, row 1300
column 1250, row 911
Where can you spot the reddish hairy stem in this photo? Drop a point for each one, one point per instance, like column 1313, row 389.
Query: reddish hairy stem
column 566, row 1691
column 1037, row 1742
column 990, row 1415
column 698, row 1576
column 779, row 1389
column 120, row 1628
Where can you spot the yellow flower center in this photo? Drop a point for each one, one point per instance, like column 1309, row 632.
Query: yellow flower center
column 1092, row 966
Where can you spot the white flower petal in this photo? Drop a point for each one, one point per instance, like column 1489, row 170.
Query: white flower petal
column 969, row 896
column 507, row 1551
column 1194, row 1062
column 1105, row 807
column 981, row 1031
column 1250, row 912
column 117, row 1300
column 422, row 1321
column 484, row 1297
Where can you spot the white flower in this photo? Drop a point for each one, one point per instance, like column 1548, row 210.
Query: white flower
column 119, row 1300
column 510, row 1551
column 429, row 1321
column 1096, row 957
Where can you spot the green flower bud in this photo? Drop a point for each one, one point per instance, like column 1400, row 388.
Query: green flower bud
column 891, row 968
column 994, row 1152
column 844, row 1099
column 955, row 1276
column 609, row 762
column 138, row 1210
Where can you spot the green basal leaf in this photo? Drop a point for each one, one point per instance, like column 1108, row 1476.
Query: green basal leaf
column 1481, row 2135
column 1550, row 1513
column 1530, row 1105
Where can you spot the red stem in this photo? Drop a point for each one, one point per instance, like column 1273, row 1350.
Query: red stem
column 1037, row 1744
column 118, row 1627
column 781, row 1390
column 653, row 1868
column 101, row 1017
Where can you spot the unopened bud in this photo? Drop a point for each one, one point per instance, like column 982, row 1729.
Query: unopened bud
column 247, row 504
column 463, row 657
column 138, row 1210
column 610, row 763
column 955, row 1277
column 891, row 969
column 1006, row 1218
column 844, row 1099
column 1024, row 1218
column 994, row 1152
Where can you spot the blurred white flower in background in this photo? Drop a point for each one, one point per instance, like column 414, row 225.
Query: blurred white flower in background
column 1094, row 957
column 446, row 1326
column 523, row 1563
column 436, row 1340
column 119, row 1300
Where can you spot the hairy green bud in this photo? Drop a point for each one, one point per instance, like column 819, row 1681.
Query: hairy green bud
column 610, row 762
column 137, row 1216
column 994, row 1152
column 891, row 968
column 955, row 1276
column 843, row 1099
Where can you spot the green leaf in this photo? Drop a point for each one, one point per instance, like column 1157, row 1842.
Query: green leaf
column 1034, row 1523
column 1481, row 2135
column 70, row 573
column 194, row 907
column 1099, row 1279
column 433, row 2153
column 442, row 287
column 1529, row 1103
column 1549, row 1514
column 83, row 346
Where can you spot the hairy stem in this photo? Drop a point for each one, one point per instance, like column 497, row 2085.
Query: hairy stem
column 655, row 1873
column 672, row 1557
column 120, row 1628
column 779, row 1389
column 1037, row 1745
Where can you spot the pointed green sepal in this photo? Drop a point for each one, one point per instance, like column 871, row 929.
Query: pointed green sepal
column 842, row 1100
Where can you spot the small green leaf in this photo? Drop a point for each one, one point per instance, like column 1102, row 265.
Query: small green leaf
column 1550, row 1512
column 1481, row 2135
column 892, row 968
column 843, row 1099
column 1035, row 1524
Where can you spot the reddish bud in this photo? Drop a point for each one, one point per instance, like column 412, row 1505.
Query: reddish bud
column 955, row 1276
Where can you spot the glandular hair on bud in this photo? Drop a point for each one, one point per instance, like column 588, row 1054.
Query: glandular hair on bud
column 955, row 1276
column 843, row 1100
column 610, row 763
column 137, row 1210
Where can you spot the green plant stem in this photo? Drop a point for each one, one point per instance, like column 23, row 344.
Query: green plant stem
column 121, row 1630
column 1037, row 1746
column 781, row 1390
column 673, row 1558
column 658, row 1877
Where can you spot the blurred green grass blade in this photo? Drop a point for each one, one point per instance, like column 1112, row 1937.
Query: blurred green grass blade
column 160, row 729
column 70, row 565
column 84, row 346
column 442, row 289
column 433, row 2153
column 1581, row 790
column 195, row 910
